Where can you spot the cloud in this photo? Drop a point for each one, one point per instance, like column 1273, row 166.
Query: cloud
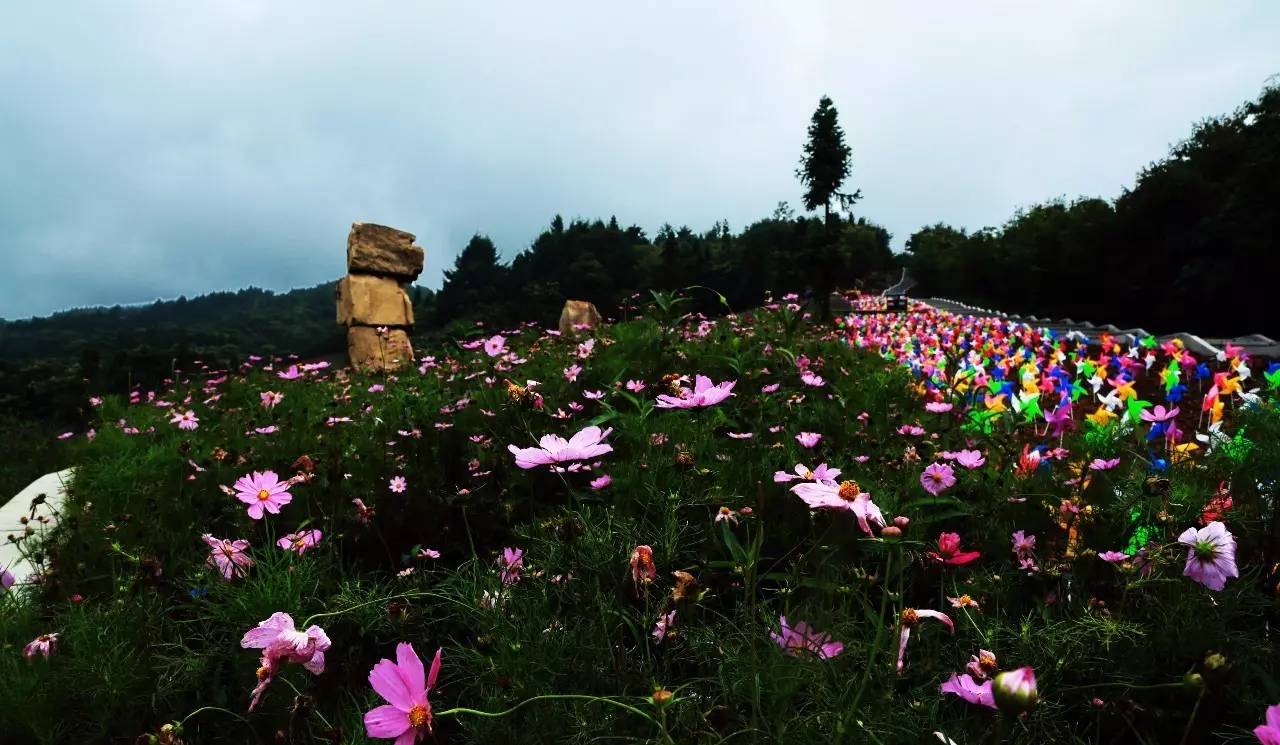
column 153, row 149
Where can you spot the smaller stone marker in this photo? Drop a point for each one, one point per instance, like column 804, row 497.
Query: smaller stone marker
column 578, row 313
column 371, row 300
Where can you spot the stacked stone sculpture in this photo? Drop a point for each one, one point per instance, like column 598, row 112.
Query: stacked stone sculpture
column 372, row 302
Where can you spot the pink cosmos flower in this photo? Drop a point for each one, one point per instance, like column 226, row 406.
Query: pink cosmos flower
column 1015, row 691
column 635, row 386
column 949, row 552
column 970, row 459
column 969, row 690
column 228, row 557
column 185, row 420
column 281, row 643
column 1211, row 555
column 300, row 541
column 937, row 478
column 740, row 435
column 511, row 562
column 571, row 372
column 801, row 640
column 808, row 439
column 593, row 395
column 982, row 664
column 911, row 430
column 7, row 580
column 601, row 482
column 725, row 514
column 846, row 495
column 552, row 450
column 290, row 374
column 811, row 379
column 1268, row 733
column 270, row 399
column 1098, row 464
column 910, row 617
column 770, row 388
column 43, row 645
column 363, row 513
column 938, row 407
column 1024, row 548
column 428, row 553
column 703, row 394
column 398, row 484
column 665, row 622
column 495, row 345
column 263, row 491
column 404, row 685
column 821, row 473
column 1114, row 557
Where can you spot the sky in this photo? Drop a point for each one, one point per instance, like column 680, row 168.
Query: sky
column 156, row 149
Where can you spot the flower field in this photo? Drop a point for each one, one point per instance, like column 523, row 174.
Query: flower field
column 897, row 528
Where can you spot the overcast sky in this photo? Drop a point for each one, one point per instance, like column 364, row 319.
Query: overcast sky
column 157, row 149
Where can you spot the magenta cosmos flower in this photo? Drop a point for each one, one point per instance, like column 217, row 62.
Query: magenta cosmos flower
column 228, row 557
column 404, row 685
column 801, row 639
column 43, row 645
column 970, row 459
column 300, row 541
column 969, row 690
column 937, row 478
column 7, row 580
column 847, row 495
column 949, row 552
column 702, row 394
column 1211, row 555
column 553, row 449
column 1268, row 733
column 1015, row 691
column 511, row 562
column 263, row 491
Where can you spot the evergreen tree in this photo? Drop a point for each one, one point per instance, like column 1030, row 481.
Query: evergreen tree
column 825, row 164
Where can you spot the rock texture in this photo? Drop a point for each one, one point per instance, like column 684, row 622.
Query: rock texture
column 371, row 299
column 372, row 350
column 383, row 251
column 578, row 313
column 366, row 300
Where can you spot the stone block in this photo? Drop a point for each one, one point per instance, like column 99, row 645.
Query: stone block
column 369, row 351
column 577, row 313
column 378, row 249
column 366, row 300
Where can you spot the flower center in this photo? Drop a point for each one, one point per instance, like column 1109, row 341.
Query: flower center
column 263, row 495
column 849, row 490
column 419, row 715
column 1205, row 550
column 909, row 617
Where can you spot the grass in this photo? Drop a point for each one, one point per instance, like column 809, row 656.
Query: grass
column 149, row 635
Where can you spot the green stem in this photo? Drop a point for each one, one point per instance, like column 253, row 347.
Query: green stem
column 348, row 609
column 556, row 697
column 1192, row 720
column 212, row 708
column 1129, row 686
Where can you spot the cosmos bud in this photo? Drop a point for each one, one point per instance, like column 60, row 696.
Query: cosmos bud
column 1015, row 691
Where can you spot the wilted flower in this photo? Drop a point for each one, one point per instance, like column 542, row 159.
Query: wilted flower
column 665, row 622
column 363, row 513
column 43, row 645
column 983, row 664
column 280, row 643
column 725, row 514
column 910, row 617
column 643, row 570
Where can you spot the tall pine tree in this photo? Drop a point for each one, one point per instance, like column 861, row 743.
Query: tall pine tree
column 823, row 170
